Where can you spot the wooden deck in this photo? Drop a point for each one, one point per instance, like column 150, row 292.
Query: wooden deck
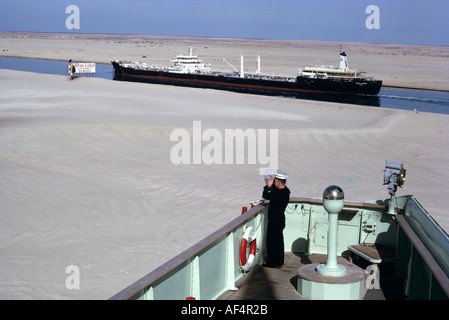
column 276, row 284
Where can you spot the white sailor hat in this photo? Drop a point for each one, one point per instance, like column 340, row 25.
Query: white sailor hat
column 280, row 175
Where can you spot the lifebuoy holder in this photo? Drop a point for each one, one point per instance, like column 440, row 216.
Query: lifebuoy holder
column 248, row 237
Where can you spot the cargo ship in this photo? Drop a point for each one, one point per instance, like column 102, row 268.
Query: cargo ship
column 188, row 70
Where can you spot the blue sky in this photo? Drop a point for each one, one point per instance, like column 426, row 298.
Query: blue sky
column 400, row 21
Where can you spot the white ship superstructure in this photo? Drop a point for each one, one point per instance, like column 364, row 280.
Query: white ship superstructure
column 188, row 63
column 330, row 71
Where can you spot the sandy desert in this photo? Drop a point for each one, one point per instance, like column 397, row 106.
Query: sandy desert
column 86, row 177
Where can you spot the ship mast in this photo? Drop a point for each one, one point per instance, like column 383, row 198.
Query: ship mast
column 258, row 64
column 242, row 74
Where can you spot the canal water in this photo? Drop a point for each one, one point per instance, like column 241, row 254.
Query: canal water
column 50, row 67
column 407, row 99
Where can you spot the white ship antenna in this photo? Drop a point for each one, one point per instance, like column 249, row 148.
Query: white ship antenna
column 242, row 74
column 258, row 64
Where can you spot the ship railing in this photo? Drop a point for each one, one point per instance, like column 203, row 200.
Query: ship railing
column 204, row 271
column 212, row 266
column 426, row 258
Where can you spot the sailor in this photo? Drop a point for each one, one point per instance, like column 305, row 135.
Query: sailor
column 279, row 195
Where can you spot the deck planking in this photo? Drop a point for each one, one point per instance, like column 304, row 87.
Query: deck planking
column 277, row 284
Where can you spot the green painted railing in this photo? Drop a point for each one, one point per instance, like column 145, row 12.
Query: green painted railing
column 205, row 270
column 212, row 266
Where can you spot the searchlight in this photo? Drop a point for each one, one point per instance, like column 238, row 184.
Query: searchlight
column 394, row 177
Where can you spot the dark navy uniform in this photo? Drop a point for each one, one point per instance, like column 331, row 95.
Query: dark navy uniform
column 279, row 199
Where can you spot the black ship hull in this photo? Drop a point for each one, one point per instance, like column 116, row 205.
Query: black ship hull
column 301, row 87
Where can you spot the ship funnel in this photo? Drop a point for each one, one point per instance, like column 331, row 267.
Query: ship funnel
column 343, row 62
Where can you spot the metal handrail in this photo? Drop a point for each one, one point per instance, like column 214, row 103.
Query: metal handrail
column 181, row 258
column 166, row 268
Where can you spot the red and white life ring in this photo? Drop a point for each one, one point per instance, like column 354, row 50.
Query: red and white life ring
column 248, row 236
